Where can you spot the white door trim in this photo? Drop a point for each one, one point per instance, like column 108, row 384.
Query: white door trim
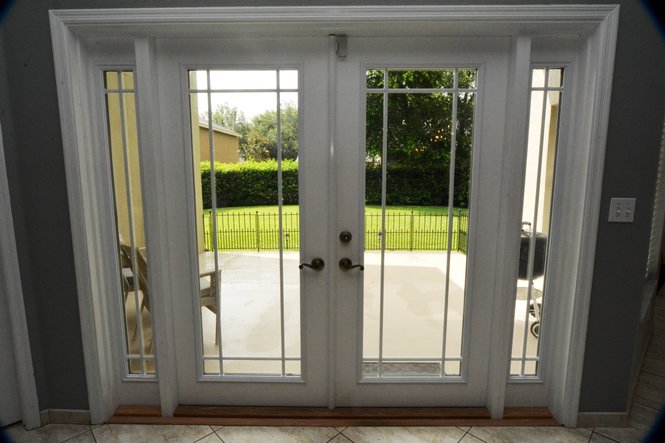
column 598, row 23
column 11, row 276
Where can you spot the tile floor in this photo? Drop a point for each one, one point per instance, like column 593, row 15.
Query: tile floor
column 238, row 434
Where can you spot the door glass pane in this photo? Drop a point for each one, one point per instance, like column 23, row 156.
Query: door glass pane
column 133, row 270
column 536, row 215
column 417, row 178
column 247, row 217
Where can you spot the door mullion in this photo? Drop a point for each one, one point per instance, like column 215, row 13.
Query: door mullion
column 515, row 144
column 156, row 228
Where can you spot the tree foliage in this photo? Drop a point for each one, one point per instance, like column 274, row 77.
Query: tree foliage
column 419, row 136
column 420, row 127
column 261, row 139
column 258, row 137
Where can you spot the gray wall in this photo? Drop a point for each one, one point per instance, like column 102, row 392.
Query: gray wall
column 29, row 116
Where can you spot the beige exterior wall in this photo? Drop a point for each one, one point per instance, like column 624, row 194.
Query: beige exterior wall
column 120, row 174
column 196, row 173
column 226, row 151
column 226, row 145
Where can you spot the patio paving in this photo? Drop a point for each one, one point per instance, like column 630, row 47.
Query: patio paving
column 413, row 308
column 413, row 311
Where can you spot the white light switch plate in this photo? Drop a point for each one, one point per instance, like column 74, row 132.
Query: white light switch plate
column 622, row 210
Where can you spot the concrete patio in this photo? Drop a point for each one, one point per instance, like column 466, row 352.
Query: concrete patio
column 413, row 310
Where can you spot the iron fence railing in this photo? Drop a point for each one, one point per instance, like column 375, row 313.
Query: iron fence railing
column 405, row 231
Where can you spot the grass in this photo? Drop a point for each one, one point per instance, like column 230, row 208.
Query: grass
column 407, row 227
column 369, row 209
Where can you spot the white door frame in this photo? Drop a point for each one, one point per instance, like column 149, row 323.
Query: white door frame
column 596, row 23
column 10, row 279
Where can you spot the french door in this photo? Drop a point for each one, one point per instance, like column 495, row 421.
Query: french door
column 384, row 321
column 419, row 121
column 395, row 171
column 251, row 325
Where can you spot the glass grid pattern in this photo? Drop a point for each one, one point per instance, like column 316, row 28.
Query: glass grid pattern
column 545, row 101
column 120, row 97
column 208, row 87
column 457, row 87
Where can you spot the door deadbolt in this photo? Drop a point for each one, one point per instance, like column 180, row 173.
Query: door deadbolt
column 345, row 236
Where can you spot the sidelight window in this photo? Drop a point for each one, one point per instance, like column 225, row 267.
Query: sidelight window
column 120, row 97
column 545, row 102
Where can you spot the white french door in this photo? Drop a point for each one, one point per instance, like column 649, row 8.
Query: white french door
column 413, row 328
column 250, row 325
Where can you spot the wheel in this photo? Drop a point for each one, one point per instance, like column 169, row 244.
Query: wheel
column 535, row 329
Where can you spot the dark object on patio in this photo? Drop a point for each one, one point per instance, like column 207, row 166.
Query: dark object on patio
column 538, row 270
column 538, row 256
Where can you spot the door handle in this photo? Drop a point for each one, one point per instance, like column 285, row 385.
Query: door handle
column 345, row 264
column 317, row 264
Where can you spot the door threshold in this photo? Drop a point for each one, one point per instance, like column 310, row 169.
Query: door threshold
column 300, row 416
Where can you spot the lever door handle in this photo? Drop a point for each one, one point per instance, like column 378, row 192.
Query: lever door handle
column 317, row 264
column 345, row 264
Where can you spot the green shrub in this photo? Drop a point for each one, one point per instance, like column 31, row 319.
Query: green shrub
column 250, row 183
column 255, row 184
column 414, row 185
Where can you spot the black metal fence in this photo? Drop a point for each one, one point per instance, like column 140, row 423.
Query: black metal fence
column 405, row 231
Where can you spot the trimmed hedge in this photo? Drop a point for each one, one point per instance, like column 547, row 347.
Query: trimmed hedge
column 250, row 183
column 255, row 184
column 414, row 186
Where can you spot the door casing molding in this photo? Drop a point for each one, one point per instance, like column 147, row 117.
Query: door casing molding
column 70, row 29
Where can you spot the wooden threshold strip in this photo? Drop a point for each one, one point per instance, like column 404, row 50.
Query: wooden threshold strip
column 294, row 416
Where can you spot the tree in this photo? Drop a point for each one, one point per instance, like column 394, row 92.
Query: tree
column 229, row 117
column 261, row 137
column 420, row 131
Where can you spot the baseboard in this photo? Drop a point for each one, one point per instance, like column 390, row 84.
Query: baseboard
column 65, row 416
column 602, row 419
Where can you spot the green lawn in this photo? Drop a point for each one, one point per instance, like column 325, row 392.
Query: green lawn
column 407, row 228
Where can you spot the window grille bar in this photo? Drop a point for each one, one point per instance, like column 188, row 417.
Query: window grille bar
column 423, row 90
column 214, row 357
column 218, row 90
column 451, row 209
column 384, row 178
column 130, row 215
column 280, row 197
column 215, row 240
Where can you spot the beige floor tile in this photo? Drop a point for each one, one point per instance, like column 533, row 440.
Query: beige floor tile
column 468, row 438
column 465, row 428
column 149, row 434
column 340, row 438
column 86, row 437
column 544, row 434
column 212, row 438
column 598, row 438
column 623, row 435
column 260, row 434
column 399, row 434
column 53, row 433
